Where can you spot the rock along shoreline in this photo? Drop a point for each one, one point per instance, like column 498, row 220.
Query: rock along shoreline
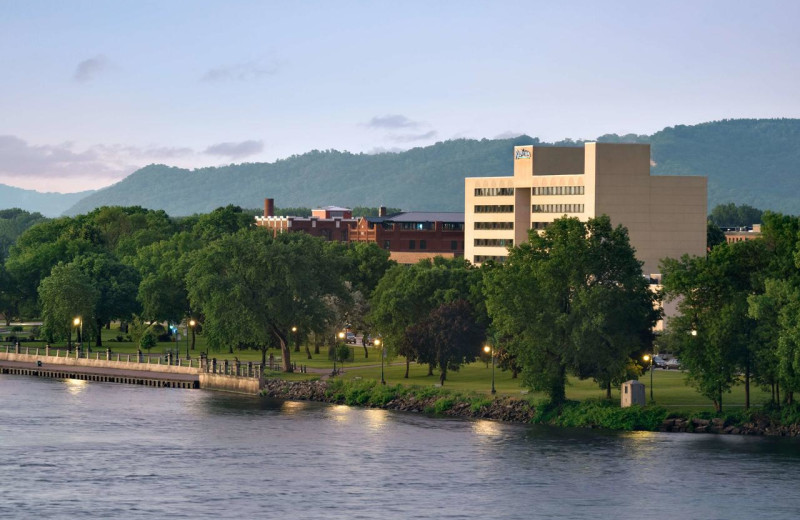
column 508, row 409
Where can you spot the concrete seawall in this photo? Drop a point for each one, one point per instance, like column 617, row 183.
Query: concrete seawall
column 131, row 372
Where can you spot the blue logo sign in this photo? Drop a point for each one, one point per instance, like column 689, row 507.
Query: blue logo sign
column 522, row 154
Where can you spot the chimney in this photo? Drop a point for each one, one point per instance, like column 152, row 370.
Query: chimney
column 382, row 211
column 269, row 208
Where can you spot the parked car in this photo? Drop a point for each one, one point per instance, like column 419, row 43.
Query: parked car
column 350, row 337
column 673, row 364
column 659, row 362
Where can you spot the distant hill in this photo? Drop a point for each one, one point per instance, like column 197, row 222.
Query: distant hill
column 747, row 161
column 48, row 204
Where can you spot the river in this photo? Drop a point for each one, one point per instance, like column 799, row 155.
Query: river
column 72, row 449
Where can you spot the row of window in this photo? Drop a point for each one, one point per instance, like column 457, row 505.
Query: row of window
column 477, row 259
column 539, row 225
column 423, row 244
column 452, row 226
column 494, row 225
column 558, row 190
column 494, row 242
column 557, row 208
column 493, row 192
column 502, row 208
column 417, row 226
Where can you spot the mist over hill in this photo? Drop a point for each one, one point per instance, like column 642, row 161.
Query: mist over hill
column 48, row 204
column 747, row 161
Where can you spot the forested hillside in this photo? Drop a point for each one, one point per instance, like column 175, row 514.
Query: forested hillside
column 753, row 161
column 48, row 204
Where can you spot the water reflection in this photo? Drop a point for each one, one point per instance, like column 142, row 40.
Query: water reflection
column 484, row 429
column 376, row 418
column 76, row 386
column 293, row 407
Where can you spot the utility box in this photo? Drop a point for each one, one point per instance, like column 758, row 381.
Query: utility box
column 632, row 393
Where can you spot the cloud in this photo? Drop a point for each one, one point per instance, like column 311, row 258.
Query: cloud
column 236, row 150
column 380, row 149
column 508, row 135
column 63, row 168
column 408, row 138
column 87, row 70
column 248, row 71
column 392, row 121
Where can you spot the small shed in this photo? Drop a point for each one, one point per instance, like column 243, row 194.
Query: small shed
column 632, row 392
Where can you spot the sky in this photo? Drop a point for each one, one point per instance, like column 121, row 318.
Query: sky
column 90, row 91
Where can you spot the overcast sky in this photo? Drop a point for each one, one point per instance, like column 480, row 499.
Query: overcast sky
column 91, row 90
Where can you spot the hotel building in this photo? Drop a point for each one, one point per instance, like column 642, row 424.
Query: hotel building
column 665, row 215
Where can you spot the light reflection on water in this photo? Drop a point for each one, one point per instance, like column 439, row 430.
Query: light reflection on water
column 95, row 450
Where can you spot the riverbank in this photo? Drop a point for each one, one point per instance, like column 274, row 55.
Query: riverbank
column 585, row 414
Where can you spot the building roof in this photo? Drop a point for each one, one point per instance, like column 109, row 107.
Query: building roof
column 425, row 216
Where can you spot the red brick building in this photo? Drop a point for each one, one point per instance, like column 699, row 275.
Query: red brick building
column 408, row 236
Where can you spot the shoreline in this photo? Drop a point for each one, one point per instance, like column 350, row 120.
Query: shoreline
column 441, row 403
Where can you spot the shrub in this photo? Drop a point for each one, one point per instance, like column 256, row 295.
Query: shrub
column 443, row 404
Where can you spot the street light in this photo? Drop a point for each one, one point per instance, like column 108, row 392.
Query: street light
column 490, row 349
column 190, row 323
column 377, row 343
column 78, row 322
column 336, row 351
column 649, row 358
column 296, row 343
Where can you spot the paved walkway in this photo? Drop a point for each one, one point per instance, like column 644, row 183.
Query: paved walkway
column 120, row 372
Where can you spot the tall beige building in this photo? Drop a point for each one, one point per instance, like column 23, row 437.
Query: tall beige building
column 665, row 215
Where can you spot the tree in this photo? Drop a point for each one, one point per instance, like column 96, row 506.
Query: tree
column 714, row 235
column 575, row 301
column 448, row 337
column 719, row 338
column 252, row 287
column 731, row 215
column 116, row 285
column 66, row 294
column 408, row 294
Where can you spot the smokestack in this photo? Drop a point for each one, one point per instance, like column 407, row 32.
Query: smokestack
column 269, row 208
column 382, row 211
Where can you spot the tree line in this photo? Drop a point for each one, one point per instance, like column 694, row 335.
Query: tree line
column 570, row 301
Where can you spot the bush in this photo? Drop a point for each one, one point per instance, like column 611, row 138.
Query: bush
column 602, row 414
column 148, row 341
column 443, row 404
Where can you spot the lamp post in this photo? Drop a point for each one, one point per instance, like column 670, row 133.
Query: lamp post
column 649, row 358
column 378, row 343
column 78, row 322
column 336, row 351
column 190, row 323
column 489, row 349
column 296, row 343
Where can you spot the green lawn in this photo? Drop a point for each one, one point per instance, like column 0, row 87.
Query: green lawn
column 669, row 386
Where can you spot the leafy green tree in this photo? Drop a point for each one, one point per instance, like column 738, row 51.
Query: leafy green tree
column 221, row 222
column 116, row 284
column 731, row 215
column 714, row 235
column 13, row 222
column 448, row 337
column 252, row 287
column 408, row 294
column 720, row 339
column 575, row 301
column 66, row 294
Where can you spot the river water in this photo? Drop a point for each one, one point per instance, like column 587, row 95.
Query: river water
column 72, row 449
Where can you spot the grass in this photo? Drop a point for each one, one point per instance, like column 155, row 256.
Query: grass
column 670, row 389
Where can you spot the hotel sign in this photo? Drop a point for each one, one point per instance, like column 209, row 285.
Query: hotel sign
column 522, row 153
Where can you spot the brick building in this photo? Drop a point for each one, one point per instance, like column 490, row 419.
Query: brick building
column 408, row 236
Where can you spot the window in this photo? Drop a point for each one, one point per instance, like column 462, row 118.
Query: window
column 423, row 244
column 387, row 244
column 494, row 242
column 557, row 190
column 454, row 244
column 557, row 208
column 485, row 258
column 416, row 226
column 494, row 225
column 411, row 244
column 493, row 192
column 452, row 226
column 344, row 235
column 505, row 208
column 539, row 225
